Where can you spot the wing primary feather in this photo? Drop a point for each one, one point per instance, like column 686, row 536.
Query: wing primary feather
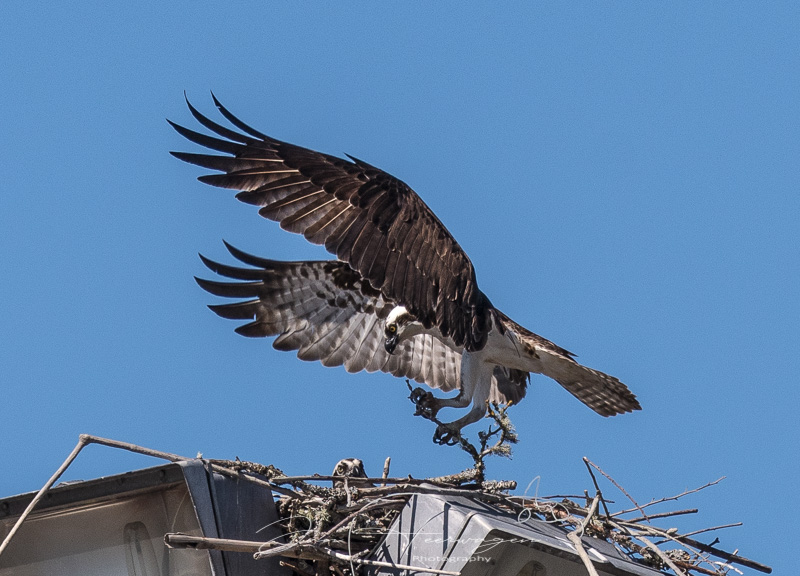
column 238, row 311
column 207, row 141
column 253, row 330
column 258, row 182
column 362, row 163
column 214, row 127
column 274, row 188
column 250, row 259
column 223, row 163
column 229, row 289
column 238, row 123
column 234, row 271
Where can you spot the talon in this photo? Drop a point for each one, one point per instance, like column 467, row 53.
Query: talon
column 446, row 436
column 417, row 394
column 427, row 407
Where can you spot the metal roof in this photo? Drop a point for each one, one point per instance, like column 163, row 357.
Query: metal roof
column 474, row 538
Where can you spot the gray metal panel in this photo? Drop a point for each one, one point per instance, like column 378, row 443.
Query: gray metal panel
column 197, row 481
column 225, row 507
column 101, row 526
column 86, row 491
column 246, row 511
column 458, row 534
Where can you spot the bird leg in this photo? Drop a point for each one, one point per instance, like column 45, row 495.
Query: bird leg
column 475, row 387
column 450, row 434
column 427, row 407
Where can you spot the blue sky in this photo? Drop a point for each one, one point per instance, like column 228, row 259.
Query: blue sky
column 624, row 177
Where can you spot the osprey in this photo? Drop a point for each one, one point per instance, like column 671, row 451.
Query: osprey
column 402, row 296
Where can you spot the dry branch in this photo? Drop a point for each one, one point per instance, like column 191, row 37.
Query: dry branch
column 575, row 537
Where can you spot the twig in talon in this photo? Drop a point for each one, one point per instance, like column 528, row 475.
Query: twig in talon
column 449, row 435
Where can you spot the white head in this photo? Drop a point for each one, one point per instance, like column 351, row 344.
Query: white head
column 399, row 325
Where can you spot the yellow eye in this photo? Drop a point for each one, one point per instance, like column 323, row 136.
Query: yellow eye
column 392, row 328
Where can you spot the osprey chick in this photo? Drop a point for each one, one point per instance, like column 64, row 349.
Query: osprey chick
column 402, row 296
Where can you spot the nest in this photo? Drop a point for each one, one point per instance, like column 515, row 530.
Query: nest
column 332, row 525
column 335, row 523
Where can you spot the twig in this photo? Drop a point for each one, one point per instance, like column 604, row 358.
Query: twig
column 505, row 429
column 415, row 489
column 661, row 500
column 575, row 537
column 468, row 475
column 180, row 540
column 175, row 458
column 350, row 517
column 735, row 558
column 614, row 482
column 386, row 465
column 278, row 480
column 639, row 535
column 82, row 441
column 689, row 566
column 571, row 497
column 709, row 530
column 666, row 559
column 296, row 550
column 134, row 448
column 665, row 515
column 596, row 486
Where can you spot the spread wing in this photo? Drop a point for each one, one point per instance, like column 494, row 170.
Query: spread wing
column 327, row 312
column 366, row 217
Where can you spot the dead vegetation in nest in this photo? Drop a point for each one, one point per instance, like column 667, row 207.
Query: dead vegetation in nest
column 332, row 525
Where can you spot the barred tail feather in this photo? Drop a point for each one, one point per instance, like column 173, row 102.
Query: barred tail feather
column 602, row 393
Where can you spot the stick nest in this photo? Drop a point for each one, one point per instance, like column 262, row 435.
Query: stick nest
column 332, row 524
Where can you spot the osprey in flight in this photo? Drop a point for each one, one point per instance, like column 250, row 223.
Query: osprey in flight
column 401, row 297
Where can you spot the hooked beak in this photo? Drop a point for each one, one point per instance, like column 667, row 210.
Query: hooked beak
column 390, row 343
